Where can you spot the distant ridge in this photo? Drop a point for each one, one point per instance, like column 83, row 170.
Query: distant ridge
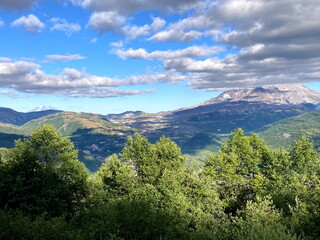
column 10, row 116
column 282, row 94
column 42, row 108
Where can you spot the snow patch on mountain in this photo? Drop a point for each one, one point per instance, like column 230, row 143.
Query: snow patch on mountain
column 43, row 108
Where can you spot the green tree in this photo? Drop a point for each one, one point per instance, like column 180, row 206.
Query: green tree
column 151, row 160
column 41, row 175
column 236, row 169
column 115, row 177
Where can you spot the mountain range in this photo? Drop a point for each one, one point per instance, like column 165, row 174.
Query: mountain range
column 196, row 129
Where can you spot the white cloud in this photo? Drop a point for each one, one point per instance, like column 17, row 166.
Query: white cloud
column 133, row 31
column 137, row 53
column 110, row 15
column 30, row 23
column 272, row 42
column 4, row 59
column 131, row 6
column 26, row 77
column 176, row 35
column 118, row 44
column 1, row 23
column 94, row 40
column 236, row 71
column 65, row 26
column 9, row 93
column 190, row 52
column 17, row 4
column 64, row 58
column 106, row 21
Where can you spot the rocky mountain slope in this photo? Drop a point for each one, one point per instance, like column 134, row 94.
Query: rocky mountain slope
column 292, row 95
column 250, row 109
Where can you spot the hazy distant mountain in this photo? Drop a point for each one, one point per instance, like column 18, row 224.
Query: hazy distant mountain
column 43, row 108
column 128, row 114
column 10, row 116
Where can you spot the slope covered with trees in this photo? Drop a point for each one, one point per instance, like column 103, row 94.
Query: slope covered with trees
column 245, row 191
column 284, row 132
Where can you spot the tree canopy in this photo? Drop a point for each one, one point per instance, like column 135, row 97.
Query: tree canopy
column 245, row 191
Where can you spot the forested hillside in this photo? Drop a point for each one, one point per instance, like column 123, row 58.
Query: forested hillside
column 284, row 132
column 245, row 191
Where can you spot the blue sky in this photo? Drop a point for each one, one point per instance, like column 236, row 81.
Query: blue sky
column 110, row 56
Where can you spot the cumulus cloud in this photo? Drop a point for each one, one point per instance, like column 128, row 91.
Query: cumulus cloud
column 30, row 23
column 27, row 77
column 64, row 58
column 17, row 4
column 62, row 25
column 190, row 52
column 5, row 59
column 110, row 15
column 118, row 44
column 131, row 6
column 9, row 93
column 176, row 35
column 133, row 31
column 106, row 21
column 234, row 71
column 272, row 42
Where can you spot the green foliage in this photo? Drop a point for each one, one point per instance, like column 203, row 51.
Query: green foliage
column 155, row 196
column 151, row 161
column 115, row 177
column 237, row 169
column 260, row 220
column 246, row 191
column 15, row 225
column 42, row 175
column 283, row 133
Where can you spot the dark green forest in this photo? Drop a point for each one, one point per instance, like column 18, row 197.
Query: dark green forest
column 148, row 191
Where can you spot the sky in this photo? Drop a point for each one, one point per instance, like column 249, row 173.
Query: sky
column 111, row 56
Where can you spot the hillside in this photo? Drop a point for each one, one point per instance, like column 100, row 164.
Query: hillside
column 94, row 137
column 284, row 132
column 10, row 116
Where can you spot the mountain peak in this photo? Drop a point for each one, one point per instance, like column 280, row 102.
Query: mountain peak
column 43, row 108
column 282, row 94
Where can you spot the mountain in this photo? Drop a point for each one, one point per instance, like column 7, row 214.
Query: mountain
column 10, row 116
column 197, row 129
column 284, row 132
column 43, row 108
column 94, row 137
column 292, row 95
column 128, row 114
column 67, row 123
column 250, row 109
